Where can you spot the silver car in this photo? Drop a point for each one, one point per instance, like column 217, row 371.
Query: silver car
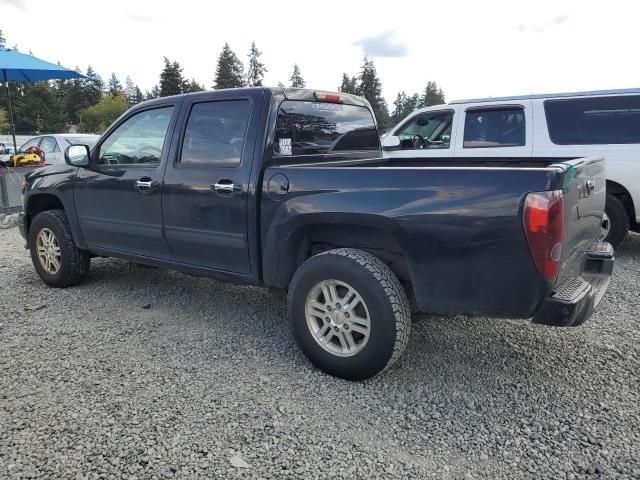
column 54, row 145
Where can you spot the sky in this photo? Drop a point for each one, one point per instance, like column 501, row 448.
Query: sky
column 470, row 48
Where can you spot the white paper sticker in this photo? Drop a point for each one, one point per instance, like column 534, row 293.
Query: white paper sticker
column 285, row 146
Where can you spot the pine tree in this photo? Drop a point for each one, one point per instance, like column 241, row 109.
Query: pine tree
column 137, row 96
column 433, row 95
column 171, row 81
column 191, row 86
column 404, row 105
column 92, row 86
column 114, row 87
column 229, row 72
column 129, row 91
column 3, row 41
column 256, row 71
column 349, row 84
column 154, row 93
column 370, row 87
column 296, row 77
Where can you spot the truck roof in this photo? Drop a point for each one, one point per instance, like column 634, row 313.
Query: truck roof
column 620, row 91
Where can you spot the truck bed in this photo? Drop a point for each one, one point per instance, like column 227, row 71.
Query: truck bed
column 454, row 228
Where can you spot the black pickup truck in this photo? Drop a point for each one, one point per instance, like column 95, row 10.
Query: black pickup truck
column 286, row 188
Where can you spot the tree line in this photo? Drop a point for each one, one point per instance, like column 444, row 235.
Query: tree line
column 91, row 104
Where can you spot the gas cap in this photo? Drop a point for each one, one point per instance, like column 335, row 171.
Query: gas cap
column 278, row 186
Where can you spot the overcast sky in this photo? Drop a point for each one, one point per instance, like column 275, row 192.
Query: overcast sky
column 471, row 48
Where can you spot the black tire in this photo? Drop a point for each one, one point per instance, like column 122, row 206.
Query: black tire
column 74, row 263
column 387, row 305
column 618, row 220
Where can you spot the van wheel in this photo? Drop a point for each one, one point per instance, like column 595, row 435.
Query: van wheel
column 349, row 313
column 56, row 258
column 615, row 223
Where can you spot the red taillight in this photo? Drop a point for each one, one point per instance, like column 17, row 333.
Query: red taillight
column 543, row 220
column 329, row 97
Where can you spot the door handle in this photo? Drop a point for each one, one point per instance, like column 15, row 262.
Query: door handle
column 226, row 187
column 145, row 184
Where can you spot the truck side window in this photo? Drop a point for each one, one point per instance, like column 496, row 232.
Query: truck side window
column 215, row 133
column 494, row 127
column 139, row 140
column 428, row 130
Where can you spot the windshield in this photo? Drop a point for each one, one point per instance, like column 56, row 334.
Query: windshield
column 91, row 141
column 312, row 128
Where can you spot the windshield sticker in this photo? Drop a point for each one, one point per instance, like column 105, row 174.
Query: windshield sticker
column 327, row 107
column 285, row 146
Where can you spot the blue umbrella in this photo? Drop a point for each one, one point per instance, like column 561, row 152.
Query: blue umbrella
column 20, row 67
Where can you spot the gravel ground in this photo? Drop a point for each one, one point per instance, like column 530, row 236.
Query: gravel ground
column 141, row 373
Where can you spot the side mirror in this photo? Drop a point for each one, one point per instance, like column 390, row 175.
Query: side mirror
column 391, row 142
column 77, row 155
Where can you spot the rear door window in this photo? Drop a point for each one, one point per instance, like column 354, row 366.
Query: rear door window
column 494, row 127
column 316, row 128
column 594, row 121
column 215, row 133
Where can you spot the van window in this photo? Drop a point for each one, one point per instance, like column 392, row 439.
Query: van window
column 594, row 121
column 312, row 128
column 429, row 130
column 494, row 127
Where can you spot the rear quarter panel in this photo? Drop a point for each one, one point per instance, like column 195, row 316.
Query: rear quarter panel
column 460, row 229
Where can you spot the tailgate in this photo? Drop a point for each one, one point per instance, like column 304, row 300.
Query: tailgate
column 584, row 192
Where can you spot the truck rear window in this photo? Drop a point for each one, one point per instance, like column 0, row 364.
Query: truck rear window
column 594, row 121
column 315, row 128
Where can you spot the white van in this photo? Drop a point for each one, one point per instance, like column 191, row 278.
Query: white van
column 512, row 129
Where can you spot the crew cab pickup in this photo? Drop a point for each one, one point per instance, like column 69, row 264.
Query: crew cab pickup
column 287, row 188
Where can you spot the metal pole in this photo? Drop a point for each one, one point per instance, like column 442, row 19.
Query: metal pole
column 12, row 125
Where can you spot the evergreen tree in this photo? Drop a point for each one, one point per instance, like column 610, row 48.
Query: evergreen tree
column 349, row 84
column 229, row 72
column 138, row 96
column 433, row 95
column 154, row 93
column 191, row 86
column 4, row 122
column 92, row 86
column 171, row 81
column 256, row 71
column 296, row 77
column 37, row 108
column 130, row 91
column 3, row 41
column 281, row 85
column 114, row 87
column 370, row 87
column 404, row 105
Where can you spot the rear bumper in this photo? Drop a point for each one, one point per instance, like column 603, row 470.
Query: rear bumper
column 574, row 300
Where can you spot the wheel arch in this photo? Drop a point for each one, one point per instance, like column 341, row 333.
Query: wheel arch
column 43, row 201
column 379, row 237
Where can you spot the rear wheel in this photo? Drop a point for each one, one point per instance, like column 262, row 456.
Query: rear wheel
column 56, row 258
column 615, row 222
column 349, row 313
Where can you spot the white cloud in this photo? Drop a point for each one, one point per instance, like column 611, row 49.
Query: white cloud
column 382, row 45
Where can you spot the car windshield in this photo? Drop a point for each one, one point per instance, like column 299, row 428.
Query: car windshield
column 91, row 141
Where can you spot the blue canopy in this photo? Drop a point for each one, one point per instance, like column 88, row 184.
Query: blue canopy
column 20, row 67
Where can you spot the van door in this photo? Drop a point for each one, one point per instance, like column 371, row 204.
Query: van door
column 206, row 185
column 490, row 130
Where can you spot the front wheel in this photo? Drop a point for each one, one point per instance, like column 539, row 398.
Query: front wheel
column 56, row 258
column 349, row 313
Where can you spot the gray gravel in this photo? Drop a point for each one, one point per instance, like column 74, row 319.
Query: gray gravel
column 141, row 373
